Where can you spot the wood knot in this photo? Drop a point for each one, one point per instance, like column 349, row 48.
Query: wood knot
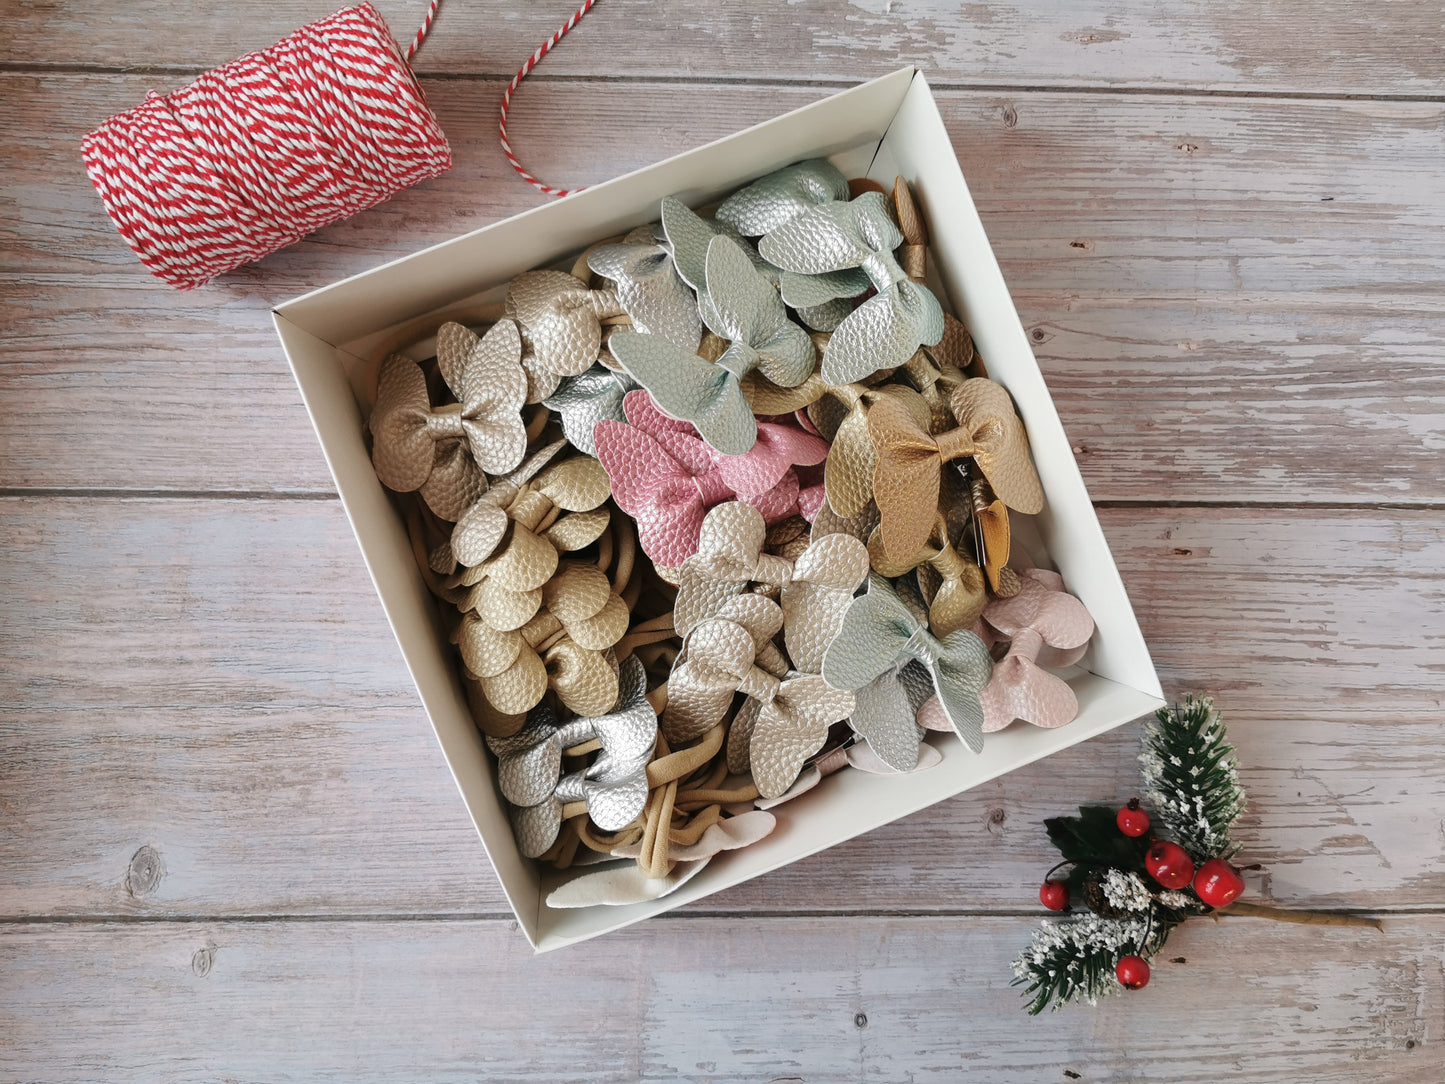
column 860, row 1020
column 202, row 961
column 996, row 817
column 1010, row 116
column 145, row 872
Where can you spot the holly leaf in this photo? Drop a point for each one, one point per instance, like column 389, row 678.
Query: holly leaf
column 1093, row 839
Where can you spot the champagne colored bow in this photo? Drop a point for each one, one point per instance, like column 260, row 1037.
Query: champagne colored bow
column 742, row 307
column 782, row 195
column 910, row 459
column 721, row 656
column 515, row 668
column 885, row 330
column 1041, row 614
column 579, row 484
column 650, row 291
column 666, row 478
column 583, row 400
column 879, row 631
column 612, row 788
column 782, row 723
column 814, row 591
column 443, row 452
column 560, row 319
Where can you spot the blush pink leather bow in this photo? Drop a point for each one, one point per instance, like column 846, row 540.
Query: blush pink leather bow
column 666, row 477
column 1042, row 615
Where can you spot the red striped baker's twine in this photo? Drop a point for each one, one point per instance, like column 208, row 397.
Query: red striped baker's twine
column 522, row 73
column 421, row 31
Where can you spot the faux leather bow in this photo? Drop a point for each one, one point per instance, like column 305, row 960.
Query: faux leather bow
column 886, row 716
column 560, row 319
column 689, row 389
column 1041, row 614
column 879, row 631
column 910, row 459
column 814, row 591
column 885, row 330
column 443, row 452
column 853, row 459
column 721, row 656
column 666, row 478
column 782, row 195
column 583, row 400
column 783, row 722
column 687, row 236
column 650, row 291
column 613, row 786
column 953, row 584
column 741, row 306
column 577, row 485
column 516, row 668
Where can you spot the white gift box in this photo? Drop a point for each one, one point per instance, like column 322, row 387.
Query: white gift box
column 882, row 129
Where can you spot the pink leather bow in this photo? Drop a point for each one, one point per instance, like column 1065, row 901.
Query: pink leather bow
column 666, row 477
column 1042, row 615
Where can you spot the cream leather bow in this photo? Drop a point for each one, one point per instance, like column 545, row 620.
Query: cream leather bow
column 560, row 319
column 443, row 452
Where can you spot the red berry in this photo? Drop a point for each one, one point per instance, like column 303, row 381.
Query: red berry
column 1218, row 883
column 1169, row 865
column 1132, row 972
column 1054, row 895
column 1132, row 820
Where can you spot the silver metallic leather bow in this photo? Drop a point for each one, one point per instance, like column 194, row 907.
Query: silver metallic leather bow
column 650, row 291
column 784, row 194
column 879, row 631
column 885, row 330
column 814, row 591
column 687, row 236
column 613, row 786
column 583, row 400
column 741, row 306
column 443, row 452
column 887, row 710
column 690, row 389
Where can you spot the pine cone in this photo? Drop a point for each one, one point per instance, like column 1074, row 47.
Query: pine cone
column 1097, row 901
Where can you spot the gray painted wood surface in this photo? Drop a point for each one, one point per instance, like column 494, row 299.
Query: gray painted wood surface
column 229, row 849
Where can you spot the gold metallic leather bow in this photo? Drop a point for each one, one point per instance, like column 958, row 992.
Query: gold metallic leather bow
column 444, row 451
column 910, row 459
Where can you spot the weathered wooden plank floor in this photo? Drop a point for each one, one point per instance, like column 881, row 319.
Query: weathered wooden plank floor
column 229, row 848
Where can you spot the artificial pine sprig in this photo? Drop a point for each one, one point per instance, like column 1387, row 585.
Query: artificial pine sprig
column 1190, row 777
column 1074, row 960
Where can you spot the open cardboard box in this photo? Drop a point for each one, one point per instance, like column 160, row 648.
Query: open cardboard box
column 883, row 129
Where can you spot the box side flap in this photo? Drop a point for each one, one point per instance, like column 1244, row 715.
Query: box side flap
column 917, row 146
column 456, row 269
column 409, row 606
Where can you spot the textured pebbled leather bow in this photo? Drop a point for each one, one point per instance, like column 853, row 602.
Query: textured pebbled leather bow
column 720, row 656
column 583, row 400
column 910, row 459
column 443, row 452
column 886, row 716
column 666, row 478
column 650, row 291
column 879, row 631
column 848, row 475
column 814, row 590
column 885, row 330
column 560, row 319
column 1041, row 615
column 783, row 722
column 782, row 195
column 742, row 306
column 689, row 388
column 613, row 787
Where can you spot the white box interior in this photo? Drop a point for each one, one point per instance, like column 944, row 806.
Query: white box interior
column 883, row 129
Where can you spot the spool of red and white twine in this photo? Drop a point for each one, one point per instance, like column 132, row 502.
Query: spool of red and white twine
column 254, row 155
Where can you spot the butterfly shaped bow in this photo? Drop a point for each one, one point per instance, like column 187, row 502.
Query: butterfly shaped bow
column 1041, row 615
column 888, row 328
column 782, row 195
column 443, row 452
column 879, row 632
